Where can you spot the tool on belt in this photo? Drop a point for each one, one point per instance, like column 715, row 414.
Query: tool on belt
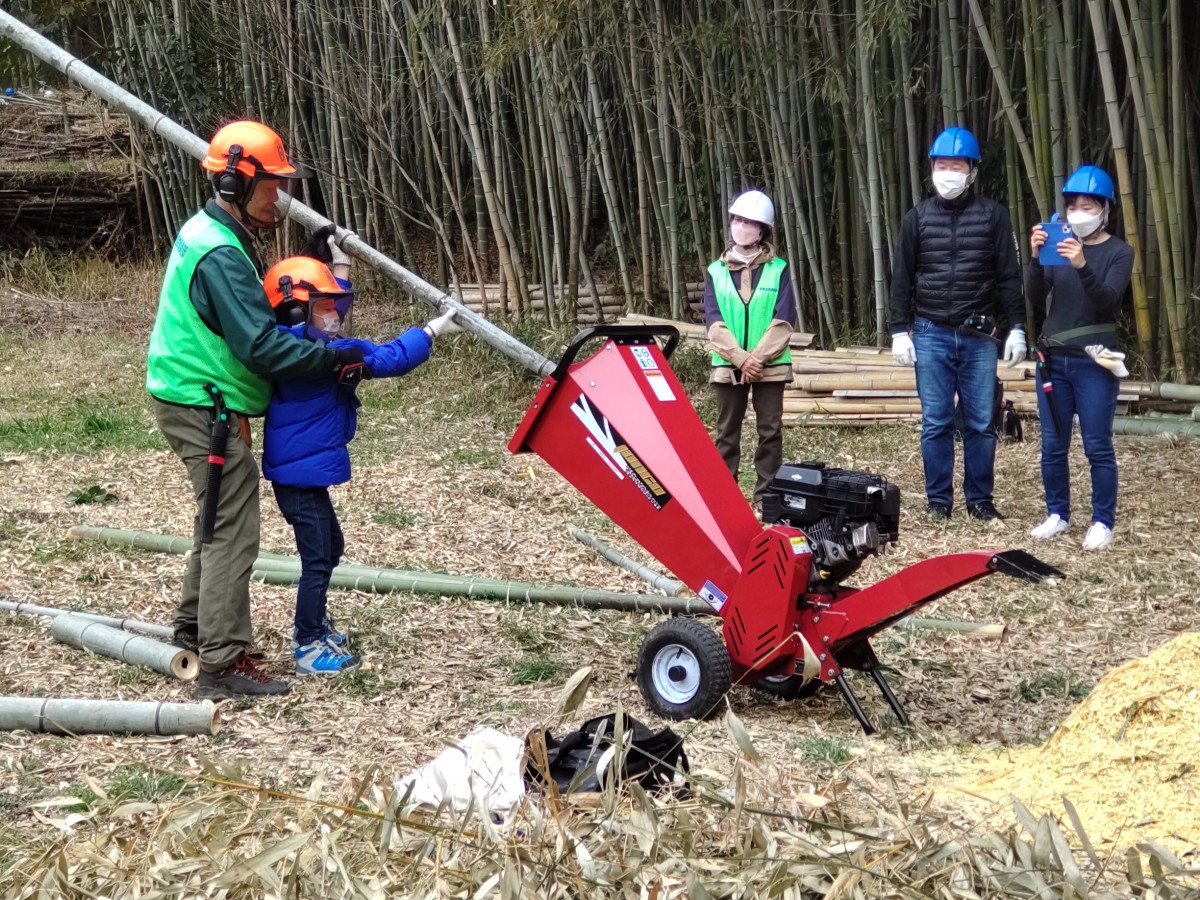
column 218, row 438
column 1047, row 385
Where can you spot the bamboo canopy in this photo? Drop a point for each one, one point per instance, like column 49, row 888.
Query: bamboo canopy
column 586, row 143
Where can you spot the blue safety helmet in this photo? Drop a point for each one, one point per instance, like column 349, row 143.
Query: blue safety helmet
column 955, row 142
column 1090, row 180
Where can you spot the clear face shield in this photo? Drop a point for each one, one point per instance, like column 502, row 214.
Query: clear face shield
column 269, row 201
column 327, row 313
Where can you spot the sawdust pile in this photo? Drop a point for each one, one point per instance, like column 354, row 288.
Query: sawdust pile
column 1128, row 757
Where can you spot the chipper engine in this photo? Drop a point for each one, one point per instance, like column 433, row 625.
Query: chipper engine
column 619, row 427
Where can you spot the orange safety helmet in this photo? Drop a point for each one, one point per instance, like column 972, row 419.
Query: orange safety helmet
column 303, row 290
column 261, row 151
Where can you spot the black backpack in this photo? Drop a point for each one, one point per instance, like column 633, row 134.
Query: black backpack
column 653, row 759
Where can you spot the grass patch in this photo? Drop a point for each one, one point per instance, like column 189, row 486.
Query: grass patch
column 528, row 636
column 360, row 683
column 1053, row 685
column 530, row 669
column 85, row 795
column 825, row 751
column 81, row 427
column 396, row 518
column 141, row 785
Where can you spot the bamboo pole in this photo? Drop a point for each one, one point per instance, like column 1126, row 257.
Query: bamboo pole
column 669, row 586
column 82, row 632
column 30, row 609
column 49, row 715
column 1134, row 426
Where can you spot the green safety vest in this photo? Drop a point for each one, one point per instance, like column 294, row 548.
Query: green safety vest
column 184, row 353
column 748, row 321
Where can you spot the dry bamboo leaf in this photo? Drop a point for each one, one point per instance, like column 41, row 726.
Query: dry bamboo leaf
column 740, row 736
column 573, row 692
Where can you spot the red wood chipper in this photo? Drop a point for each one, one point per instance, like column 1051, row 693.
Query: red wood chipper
column 620, row 428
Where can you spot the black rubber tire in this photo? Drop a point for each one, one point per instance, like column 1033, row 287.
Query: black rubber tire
column 788, row 687
column 709, row 661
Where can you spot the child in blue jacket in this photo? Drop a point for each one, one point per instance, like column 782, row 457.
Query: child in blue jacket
column 309, row 423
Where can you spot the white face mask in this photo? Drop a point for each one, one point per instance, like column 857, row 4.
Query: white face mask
column 1084, row 224
column 950, row 184
column 329, row 324
column 745, row 235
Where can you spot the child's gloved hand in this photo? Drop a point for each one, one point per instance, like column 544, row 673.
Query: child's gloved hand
column 443, row 324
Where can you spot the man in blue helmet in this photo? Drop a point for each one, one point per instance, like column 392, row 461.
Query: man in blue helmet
column 956, row 256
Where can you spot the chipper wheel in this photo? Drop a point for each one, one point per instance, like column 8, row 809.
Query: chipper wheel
column 683, row 669
column 787, row 687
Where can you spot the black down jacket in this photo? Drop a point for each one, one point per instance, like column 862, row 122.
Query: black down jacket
column 956, row 259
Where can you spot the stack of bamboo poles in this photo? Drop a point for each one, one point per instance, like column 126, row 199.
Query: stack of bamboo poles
column 690, row 331
column 487, row 298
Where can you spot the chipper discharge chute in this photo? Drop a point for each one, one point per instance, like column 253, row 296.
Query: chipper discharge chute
column 619, row 427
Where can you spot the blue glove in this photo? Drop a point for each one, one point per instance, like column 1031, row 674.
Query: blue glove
column 401, row 356
column 294, row 330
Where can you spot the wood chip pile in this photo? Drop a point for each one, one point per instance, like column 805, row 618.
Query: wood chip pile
column 1126, row 757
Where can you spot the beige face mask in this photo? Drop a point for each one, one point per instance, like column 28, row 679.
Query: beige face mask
column 745, row 234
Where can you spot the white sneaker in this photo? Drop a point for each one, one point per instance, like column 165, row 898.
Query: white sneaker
column 1052, row 527
column 1098, row 537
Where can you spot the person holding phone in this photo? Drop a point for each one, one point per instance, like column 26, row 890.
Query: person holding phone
column 1079, row 343
column 750, row 311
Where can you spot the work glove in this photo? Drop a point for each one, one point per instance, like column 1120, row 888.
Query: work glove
column 903, row 351
column 1015, row 347
column 349, row 366
column 323, row 245
column 443, row 324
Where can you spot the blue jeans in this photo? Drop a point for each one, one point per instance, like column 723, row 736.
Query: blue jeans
column 1083, row 388
column 320, row 542
column 950, row 363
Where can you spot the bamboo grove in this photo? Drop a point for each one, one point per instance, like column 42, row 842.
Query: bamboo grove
column 593, row 146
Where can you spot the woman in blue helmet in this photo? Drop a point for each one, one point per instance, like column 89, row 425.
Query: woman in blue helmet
column 1079, row 341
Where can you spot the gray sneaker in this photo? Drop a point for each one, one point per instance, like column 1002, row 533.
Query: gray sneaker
column 242, row 679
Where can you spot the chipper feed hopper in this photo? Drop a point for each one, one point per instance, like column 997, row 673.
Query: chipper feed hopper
column 620, row 428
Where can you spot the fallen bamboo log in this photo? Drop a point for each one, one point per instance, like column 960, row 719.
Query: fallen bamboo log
column 30, row 609
column 664, row 583
column 799, row 405
column 83, row 716
column 994, row 632
column 1134, row 426
column 128, row 648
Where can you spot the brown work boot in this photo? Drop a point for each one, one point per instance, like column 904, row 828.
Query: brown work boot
column 242, row 679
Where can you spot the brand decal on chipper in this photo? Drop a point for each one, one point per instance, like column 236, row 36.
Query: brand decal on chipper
column 616, row 454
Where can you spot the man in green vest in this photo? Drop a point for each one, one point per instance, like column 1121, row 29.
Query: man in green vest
column 750, row 311
column 215, row 338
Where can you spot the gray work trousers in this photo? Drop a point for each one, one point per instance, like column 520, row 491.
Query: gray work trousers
column 216, row 586
column 732, row 400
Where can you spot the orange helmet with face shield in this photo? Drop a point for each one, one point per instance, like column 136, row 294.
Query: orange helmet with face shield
column 302, row 291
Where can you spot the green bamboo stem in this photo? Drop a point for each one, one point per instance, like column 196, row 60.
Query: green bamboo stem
column 86, row 634
column 53, row 715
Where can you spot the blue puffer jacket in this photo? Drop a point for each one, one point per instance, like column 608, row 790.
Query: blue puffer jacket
column 310, row 421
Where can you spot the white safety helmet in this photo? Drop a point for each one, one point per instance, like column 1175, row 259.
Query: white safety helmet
column 755, row 206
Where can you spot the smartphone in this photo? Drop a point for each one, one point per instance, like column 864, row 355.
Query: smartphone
column 1055, row 232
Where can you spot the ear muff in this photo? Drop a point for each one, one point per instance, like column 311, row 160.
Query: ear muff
column 229, row 184
column 290, row 311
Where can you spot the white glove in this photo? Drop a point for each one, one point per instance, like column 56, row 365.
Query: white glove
column 443, row 324
column 337, row 256
column 903, row 351
column 1015, row 347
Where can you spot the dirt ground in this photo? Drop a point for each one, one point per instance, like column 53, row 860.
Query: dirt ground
column 435, row 489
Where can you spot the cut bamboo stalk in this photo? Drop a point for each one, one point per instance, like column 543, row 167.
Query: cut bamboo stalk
column 29, row 609
column 98, row 638
column 50, row 715
column 990, row 632
column 1132, row 426
column 859, row 394
column 509, row 591
column 664, row 583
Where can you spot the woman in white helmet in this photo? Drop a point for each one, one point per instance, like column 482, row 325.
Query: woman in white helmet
column 750, row 311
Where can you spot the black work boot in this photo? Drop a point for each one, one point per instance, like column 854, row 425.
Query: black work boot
column 985, row 511
column 187, row 639
column 242, row 679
